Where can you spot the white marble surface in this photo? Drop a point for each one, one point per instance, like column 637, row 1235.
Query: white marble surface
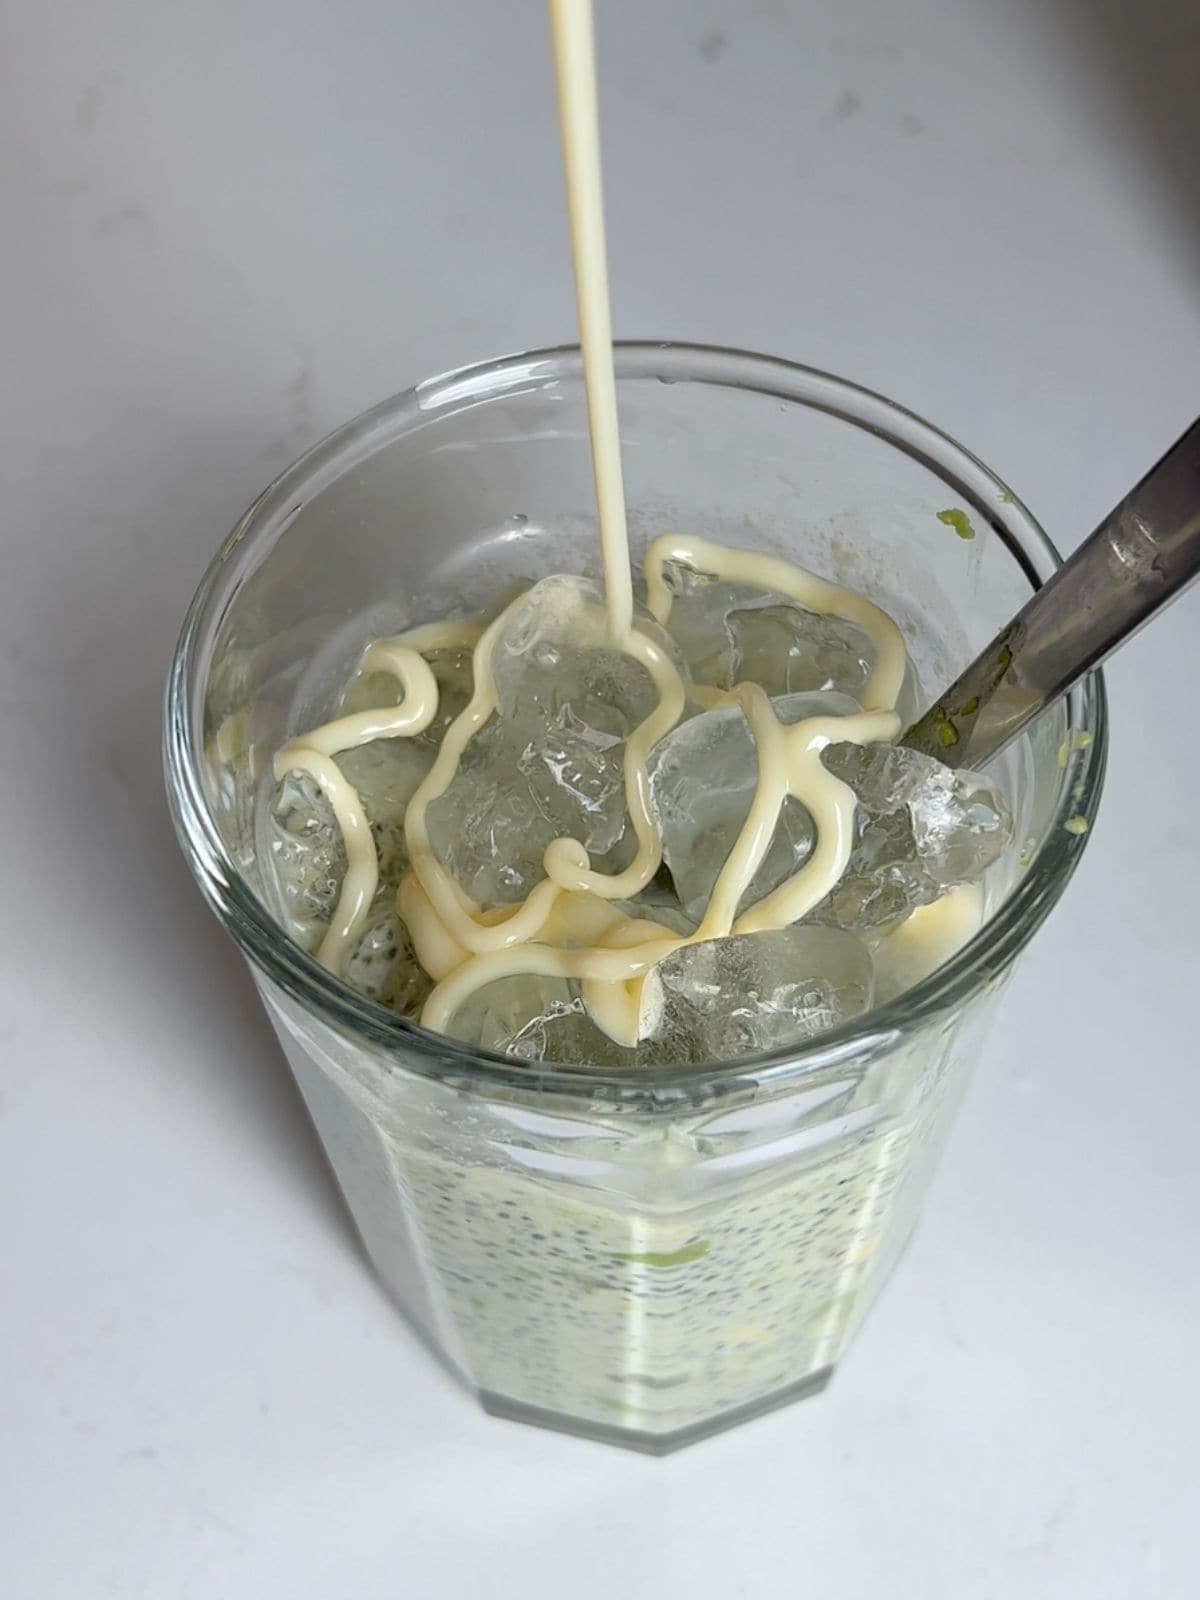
column 229, row 226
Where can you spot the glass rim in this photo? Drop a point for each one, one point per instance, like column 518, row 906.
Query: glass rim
column 265, row 944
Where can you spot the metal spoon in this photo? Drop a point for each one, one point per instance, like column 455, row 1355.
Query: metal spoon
column 1144, row 553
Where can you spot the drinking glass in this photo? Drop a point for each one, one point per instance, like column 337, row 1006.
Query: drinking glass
column 649, row 1256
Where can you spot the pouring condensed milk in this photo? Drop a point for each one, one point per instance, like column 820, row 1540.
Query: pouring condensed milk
column 767, row 709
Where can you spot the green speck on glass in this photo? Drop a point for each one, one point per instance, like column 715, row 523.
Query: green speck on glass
column 959, row 521
column 1007, row 498
column 971, row 707
column 1076, row 825
column 947, row 734
column 665, row 1259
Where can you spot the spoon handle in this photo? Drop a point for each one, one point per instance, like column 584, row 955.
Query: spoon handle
column 1144, row 553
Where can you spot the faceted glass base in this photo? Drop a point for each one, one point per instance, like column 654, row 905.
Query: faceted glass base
column 653, row 1444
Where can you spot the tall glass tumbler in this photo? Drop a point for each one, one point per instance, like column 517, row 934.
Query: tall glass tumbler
column 642, row 1257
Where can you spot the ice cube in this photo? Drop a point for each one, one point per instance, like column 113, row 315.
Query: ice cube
column 575, row 774
column 554, row 654
column 486, row 829
column 534, row 1018
column 698, row 622
column 549, row 763
column 306, row 851
column 721, row 999
column 703, row 777
column 567, row 1036
column 788, row 650
column 731, row 997
column 386, row 774
column 733, row 633
column 920, row 828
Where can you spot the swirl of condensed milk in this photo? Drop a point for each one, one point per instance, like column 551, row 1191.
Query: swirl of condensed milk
column 567, row 927
column 563, row 928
